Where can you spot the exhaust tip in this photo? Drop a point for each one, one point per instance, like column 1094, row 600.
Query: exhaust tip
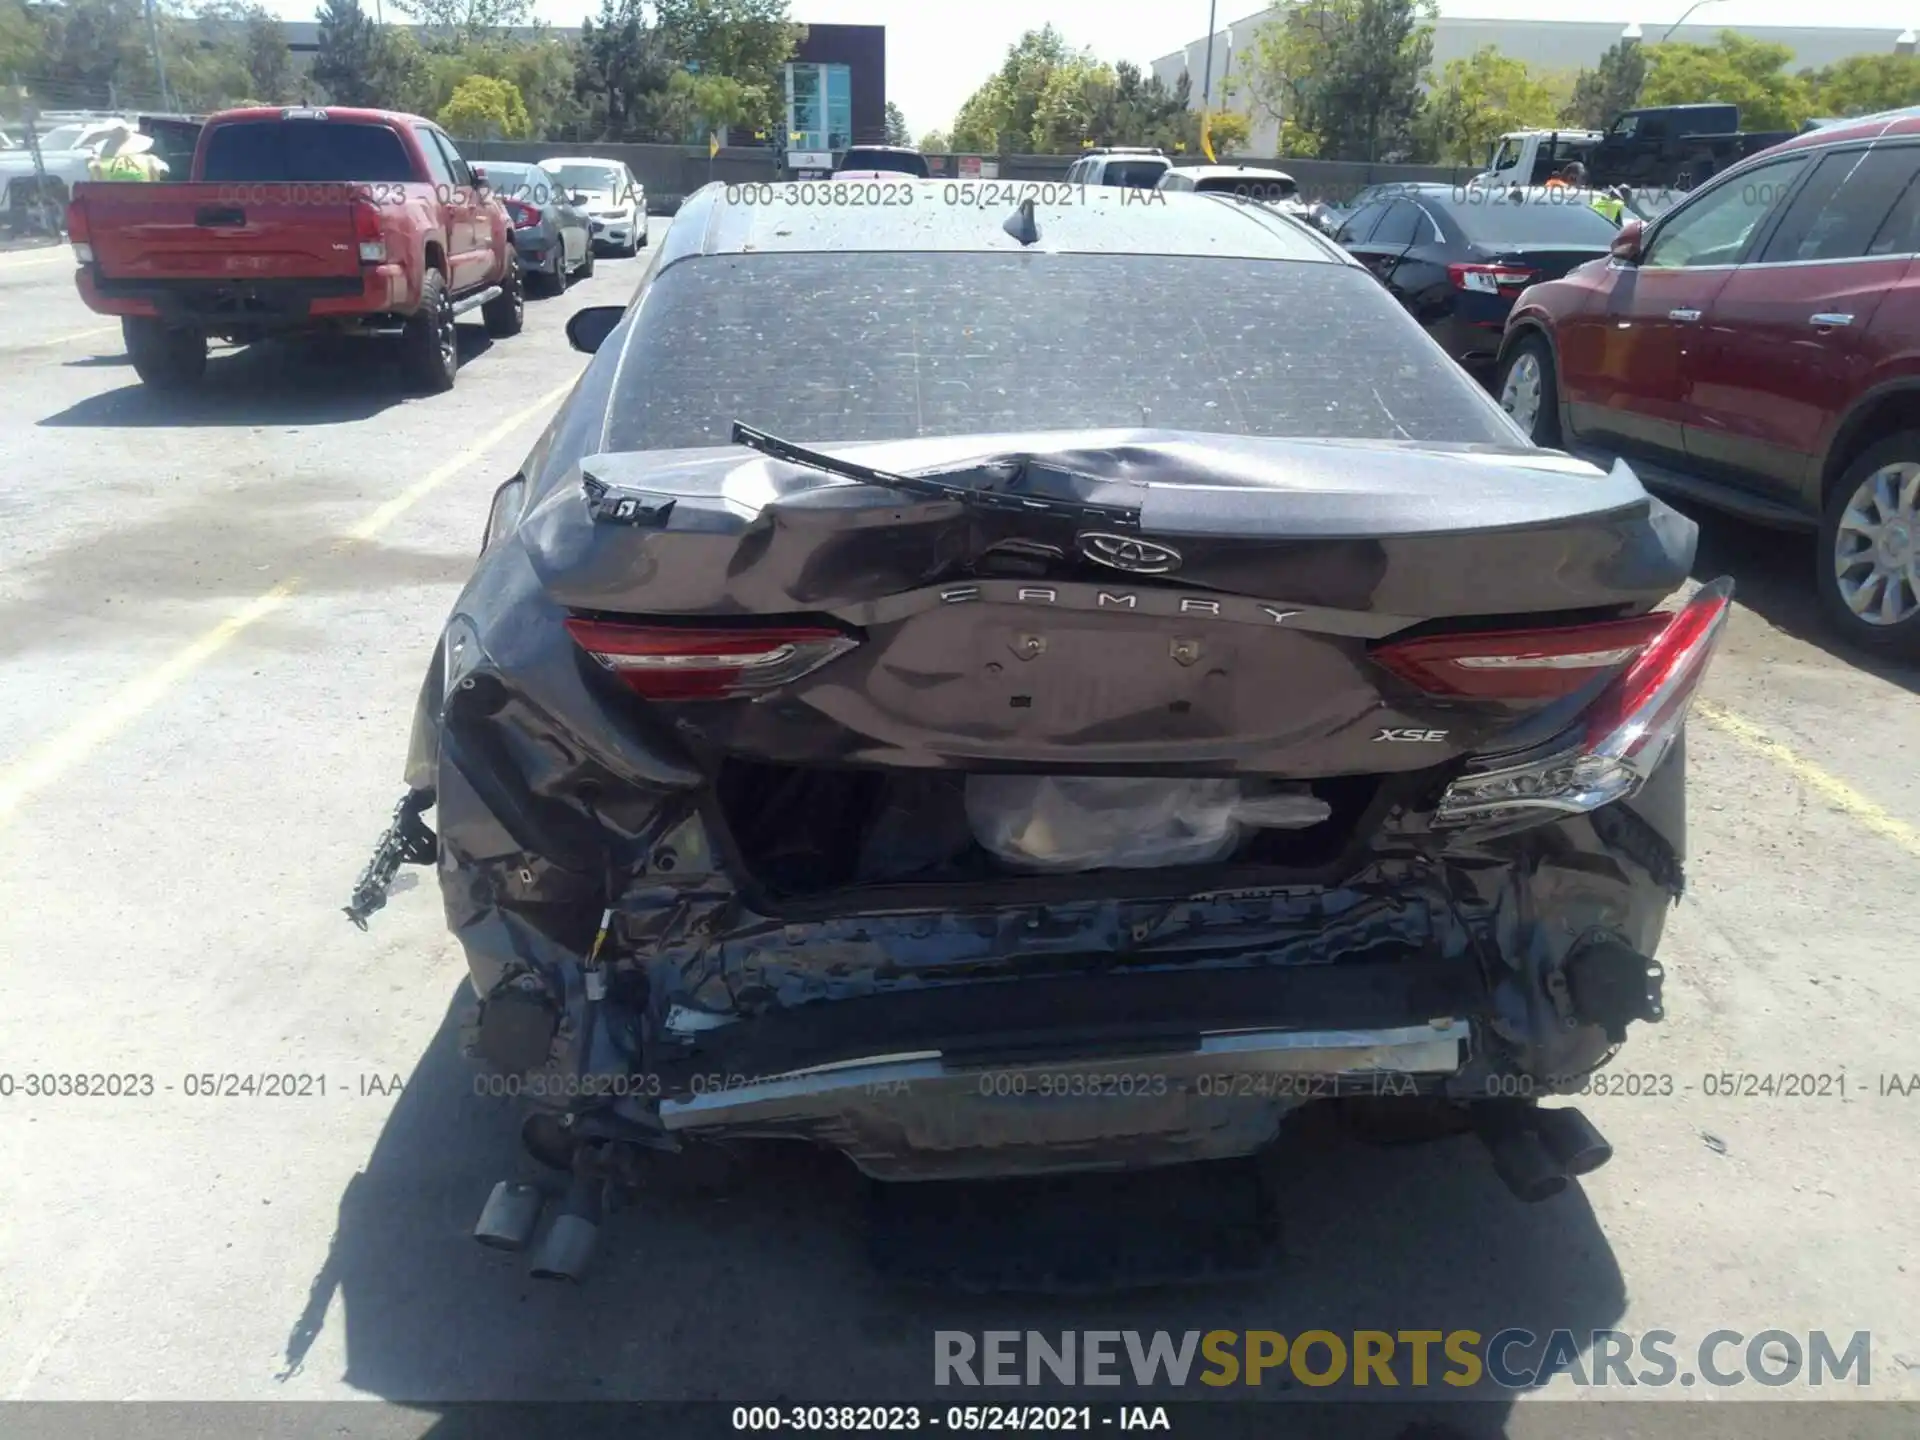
column 1573, row 1140
column 566, row 1251
column 1530, row 1171
column 508, row 1219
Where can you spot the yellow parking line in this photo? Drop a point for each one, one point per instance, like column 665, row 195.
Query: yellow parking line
column 1834, row 790
column 74, row 338
column 37, row 257
column 45, row 764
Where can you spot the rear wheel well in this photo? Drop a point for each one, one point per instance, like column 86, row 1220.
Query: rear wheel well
column 436, row 258
column 1518, row 335
column 1880, row 417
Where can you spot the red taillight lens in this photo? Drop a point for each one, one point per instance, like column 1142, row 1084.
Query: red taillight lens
column 77, row 233
column 669, row 663
column 1626, row 735
column 1520, row 664
column 523, row 215
column 368, row 233
column 1489, row 279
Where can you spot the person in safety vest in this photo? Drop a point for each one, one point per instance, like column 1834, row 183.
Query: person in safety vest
column 128, row 158
column 1612, row 204
column 1573, row 177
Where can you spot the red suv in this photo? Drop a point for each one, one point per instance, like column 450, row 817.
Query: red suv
column 1757, row 348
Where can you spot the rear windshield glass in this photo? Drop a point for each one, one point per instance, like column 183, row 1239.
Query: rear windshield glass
column 1543, row 217
column 520, row 182
column 304, row 150
column 884, row 345
column 594, row 179
column 1267, row 188
column 885, row 160
column 1142, row 174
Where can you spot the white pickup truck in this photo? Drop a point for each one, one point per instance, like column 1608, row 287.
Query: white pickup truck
column 66, row 149
column 1532, row 157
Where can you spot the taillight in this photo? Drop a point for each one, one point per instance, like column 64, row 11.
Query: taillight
column 670, row 663
column 1624, row 735
column 1489, row 279
column 77, row 233
column 368, row 232
column 523, row 215
column 1519, row 664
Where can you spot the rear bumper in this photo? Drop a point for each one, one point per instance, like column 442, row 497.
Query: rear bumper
column 619, row 232
column 929, row 1114
column 266, row 304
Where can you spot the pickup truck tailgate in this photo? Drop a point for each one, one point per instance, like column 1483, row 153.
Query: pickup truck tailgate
column 216, row 232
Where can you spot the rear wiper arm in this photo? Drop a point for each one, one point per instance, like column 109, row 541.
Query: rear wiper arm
column 1011, row 476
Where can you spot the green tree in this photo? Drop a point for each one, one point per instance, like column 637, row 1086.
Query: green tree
column 1342, row 78
column 447, row 22
column 1366, row 104
column 1479, row 99
column 22, row 39
column 1864, row 85
column 622, row 71
column 483, row 108
column 349, row 55
column 93, row 52
column 1611, row 86
column 935, row 142
column 1076, row 105
column 1000, row 115
column 1734, row 69
column 746, row 41
column 897, row 132
column 269, row 58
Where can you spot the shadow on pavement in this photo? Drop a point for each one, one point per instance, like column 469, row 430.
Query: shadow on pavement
column 765, row 1293
column 1773, row 574
column 272, row 383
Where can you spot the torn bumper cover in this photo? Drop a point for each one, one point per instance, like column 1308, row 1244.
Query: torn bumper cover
column 635, row 976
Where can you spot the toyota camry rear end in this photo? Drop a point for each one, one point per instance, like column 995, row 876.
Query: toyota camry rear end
column 999, row 692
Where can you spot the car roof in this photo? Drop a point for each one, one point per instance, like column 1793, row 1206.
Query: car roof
column 887, row 149
column 606, row 160
column 945, row 217
column 1266, row 170
column 352, row 113
column 1889, row 124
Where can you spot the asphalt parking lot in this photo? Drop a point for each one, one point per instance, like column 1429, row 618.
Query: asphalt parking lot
column 214, row 615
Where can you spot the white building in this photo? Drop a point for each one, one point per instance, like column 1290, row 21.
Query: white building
column 1545, row 45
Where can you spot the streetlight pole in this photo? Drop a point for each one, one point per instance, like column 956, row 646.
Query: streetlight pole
column 1683, row 18
column 1206, row 80
column 159, row 61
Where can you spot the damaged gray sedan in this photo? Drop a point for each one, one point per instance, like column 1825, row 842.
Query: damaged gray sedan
column 996, row 694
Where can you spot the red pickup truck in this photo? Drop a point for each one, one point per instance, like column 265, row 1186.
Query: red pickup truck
column 361, row 222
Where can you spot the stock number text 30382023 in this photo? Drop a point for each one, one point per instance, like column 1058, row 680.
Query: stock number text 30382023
column 871, row 194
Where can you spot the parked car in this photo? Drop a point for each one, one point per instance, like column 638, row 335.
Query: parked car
column 1757, row 349
column 889, row 736
column 1125, row 165
column 553, row 236
column 1457, row 256
column 338, row 221
column 615, row 202
column 881, row 162
column 66, row 150
column 1260, row 183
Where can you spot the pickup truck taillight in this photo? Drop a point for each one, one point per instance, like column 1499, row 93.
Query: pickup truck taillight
column 78, row 234
column 366, row 229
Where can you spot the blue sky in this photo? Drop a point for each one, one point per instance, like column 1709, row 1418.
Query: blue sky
column 938, row 53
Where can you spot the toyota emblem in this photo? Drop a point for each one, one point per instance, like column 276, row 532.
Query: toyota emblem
column 1125, row 552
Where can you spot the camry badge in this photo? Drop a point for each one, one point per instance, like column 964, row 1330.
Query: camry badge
column 1124, row 552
